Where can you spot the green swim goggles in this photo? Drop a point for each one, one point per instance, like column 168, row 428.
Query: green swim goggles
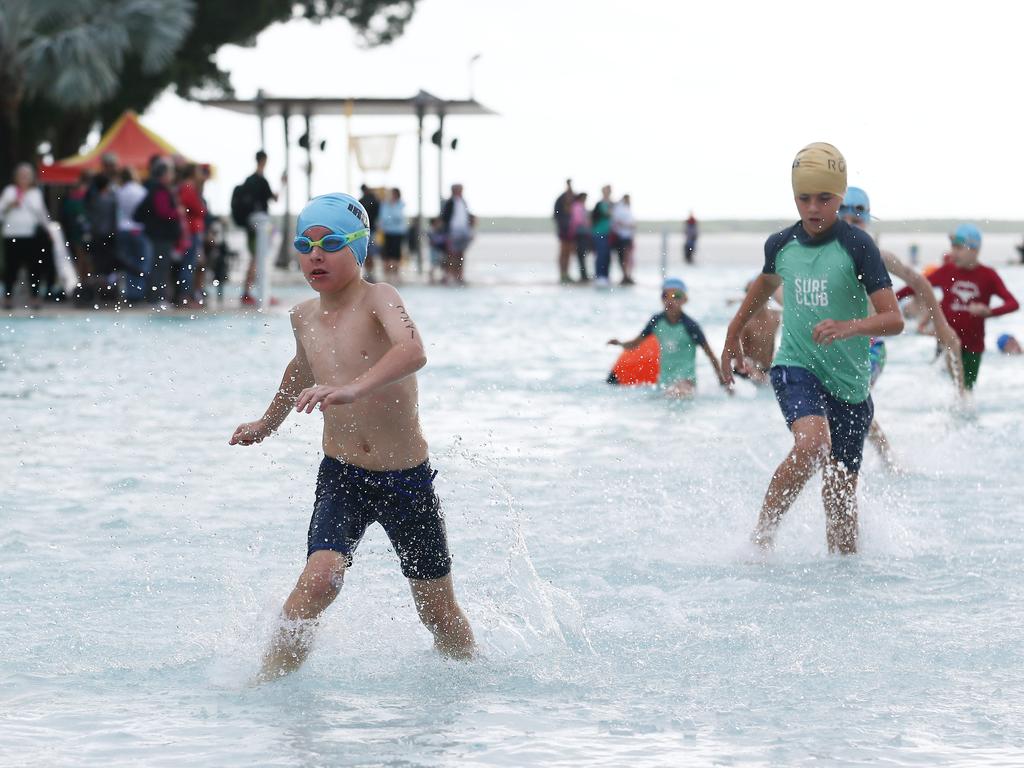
column 329, row 242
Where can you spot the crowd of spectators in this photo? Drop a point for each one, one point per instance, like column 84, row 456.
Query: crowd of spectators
column 130, row 242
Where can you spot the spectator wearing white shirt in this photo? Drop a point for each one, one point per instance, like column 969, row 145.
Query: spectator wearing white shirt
column 25, row 234
column 624, row 232
column 134, row 251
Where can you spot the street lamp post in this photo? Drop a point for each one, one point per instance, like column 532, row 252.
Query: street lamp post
column 473, row 60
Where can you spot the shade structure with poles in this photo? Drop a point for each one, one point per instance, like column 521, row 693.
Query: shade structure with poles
column 418, row 106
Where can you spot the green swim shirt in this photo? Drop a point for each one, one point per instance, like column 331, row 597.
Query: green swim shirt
column 828, row 277
column 678, row 344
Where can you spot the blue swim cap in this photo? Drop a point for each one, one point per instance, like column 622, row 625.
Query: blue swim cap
column 1002, row 341
column 967, row 234
column 673, row 284
column 856, row 203
column 340, row 213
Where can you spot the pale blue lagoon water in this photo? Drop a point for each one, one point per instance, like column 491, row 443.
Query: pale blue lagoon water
column 599, row 537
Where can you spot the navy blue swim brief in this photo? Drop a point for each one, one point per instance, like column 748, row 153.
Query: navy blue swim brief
column 800, row 394
column 349, row 499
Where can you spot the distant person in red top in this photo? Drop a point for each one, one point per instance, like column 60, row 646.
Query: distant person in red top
column 192, row 234
column 967, row 287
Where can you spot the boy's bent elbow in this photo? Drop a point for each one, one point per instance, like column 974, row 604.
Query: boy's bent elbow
column 896, row 325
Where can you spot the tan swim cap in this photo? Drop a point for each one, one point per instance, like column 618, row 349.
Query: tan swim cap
column 819, row 167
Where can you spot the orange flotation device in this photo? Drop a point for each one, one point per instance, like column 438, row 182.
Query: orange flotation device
column 638, row 366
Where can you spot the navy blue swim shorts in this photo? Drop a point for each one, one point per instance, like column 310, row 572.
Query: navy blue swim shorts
column 349, row 499
column 800, row 394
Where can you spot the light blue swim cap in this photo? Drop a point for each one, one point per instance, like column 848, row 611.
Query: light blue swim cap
column 1002, row 341
column 340, row 213
column 856, row 203
column 967, row 234
column 673, row 284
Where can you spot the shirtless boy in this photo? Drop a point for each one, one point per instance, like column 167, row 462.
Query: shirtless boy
column 356, row 354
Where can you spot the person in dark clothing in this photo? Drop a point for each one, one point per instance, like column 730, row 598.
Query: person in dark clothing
column 690, row 234
column 459, row 226
column 163, row 228
column 220, row 256
column 101, row 209
column 75, row 224
column 600, row 233
column 563, row 220
column 371, row 203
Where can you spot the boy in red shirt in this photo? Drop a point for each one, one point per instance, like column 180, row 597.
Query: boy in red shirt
column 967, row 287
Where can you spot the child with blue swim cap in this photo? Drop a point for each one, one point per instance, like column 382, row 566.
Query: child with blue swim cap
column 678, row 337
column 343, row 215
column 356, row 357
column 967, row 289
column 1008, row 344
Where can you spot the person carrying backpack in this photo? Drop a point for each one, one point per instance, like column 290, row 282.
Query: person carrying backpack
column 252, row 196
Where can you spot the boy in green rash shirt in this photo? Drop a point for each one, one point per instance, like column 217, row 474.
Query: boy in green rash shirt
column 678, row 336
column 830, row 272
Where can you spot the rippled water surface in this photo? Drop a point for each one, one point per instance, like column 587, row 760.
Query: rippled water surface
column 599, row 537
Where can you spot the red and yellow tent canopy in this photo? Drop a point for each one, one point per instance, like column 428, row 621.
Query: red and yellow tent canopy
column 132, row 142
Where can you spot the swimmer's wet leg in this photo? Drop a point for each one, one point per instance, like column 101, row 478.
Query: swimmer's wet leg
column 839, row 496
column 882, row 445
column 318, row 585
column 440, row 613
column 811, row 446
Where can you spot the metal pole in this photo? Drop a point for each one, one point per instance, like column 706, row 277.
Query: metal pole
column 284, row 253
column 348, row 145
column 262, row 114
column 419, row 188
column 309, row 156
column 472, row 61
column 440, row 159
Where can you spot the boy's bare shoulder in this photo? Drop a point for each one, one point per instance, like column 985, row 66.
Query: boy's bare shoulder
column 302, row 310
column 382, row 296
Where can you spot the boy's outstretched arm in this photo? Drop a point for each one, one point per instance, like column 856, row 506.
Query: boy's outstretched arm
column 887, row 321
column 297, row 376
column 639, row 339
column 631, row 344
column 714, row 364
column 757, row 296
column 405, row 357
column 944, row 332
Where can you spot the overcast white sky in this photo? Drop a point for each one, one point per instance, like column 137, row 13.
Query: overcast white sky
column 696, row 105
